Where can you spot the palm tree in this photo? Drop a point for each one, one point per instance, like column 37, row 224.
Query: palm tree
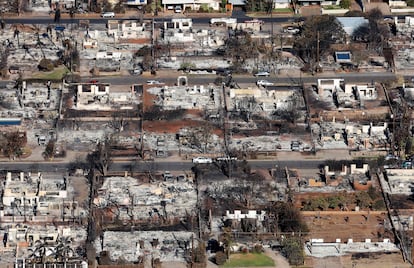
column 63, row 250
column 39, row 251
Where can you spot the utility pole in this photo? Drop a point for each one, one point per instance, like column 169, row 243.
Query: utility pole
column 317, row 50
column 152, row 41
column 271, row 19
column 24, row 205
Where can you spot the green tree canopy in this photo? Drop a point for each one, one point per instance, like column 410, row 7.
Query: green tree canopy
column 318, row 32
column 345, row 3
column 375, row 33
column 287, row 218
column 293, row 251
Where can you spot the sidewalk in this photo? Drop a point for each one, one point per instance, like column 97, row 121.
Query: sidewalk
column 37, row 157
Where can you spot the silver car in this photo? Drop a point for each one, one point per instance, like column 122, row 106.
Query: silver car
column 202, row 160
column 266, row 74
column 264, row 83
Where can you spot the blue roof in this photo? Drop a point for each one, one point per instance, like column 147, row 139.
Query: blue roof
column 10, row 121
column 59, row 28
column 343, row 55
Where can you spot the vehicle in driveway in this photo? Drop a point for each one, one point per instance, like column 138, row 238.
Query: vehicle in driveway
column 264, row 83
column 202, row 160
column 263, row 73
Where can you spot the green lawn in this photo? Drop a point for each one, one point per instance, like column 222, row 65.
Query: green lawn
column 57, row 74
column 282, row 10
column 249, row 260
column 332, row 7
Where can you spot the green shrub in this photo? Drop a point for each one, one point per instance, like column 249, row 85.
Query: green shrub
column 345, row 4
column 46, row 65
column 203, row 8
column 220, row 258
column 257, row 249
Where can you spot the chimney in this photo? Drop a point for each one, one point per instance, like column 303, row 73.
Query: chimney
column 21, row 176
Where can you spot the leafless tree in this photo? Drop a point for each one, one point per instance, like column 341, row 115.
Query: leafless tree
column 292, row 111
column 4, row 103
column 240, row 47
column 101, row 158
column 374, row 33
column 118, row 122
column 201, row 137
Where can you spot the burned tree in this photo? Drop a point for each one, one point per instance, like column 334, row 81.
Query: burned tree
column 201, row 137
column 118, row 121
column 292, row 110
column 147, row 59
column 49, row 150
column 13, row 144
column 240, row 47
column 101, row 158
column 374, row 33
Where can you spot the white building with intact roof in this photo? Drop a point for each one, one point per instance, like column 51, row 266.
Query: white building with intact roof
column 350, row 24
column 192, row 4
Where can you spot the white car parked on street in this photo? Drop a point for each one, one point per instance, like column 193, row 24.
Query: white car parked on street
column 262, row 74
column 108, row 15
column 154, row 82
column 291, row 30
column 264, row 83
column 202, row 160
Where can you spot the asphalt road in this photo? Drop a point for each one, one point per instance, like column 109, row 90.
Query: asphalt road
column 241, row 17
column 206, row 79
column 49, row 20
column 150, row 166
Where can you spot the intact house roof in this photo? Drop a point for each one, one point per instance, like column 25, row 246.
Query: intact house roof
column 177, row 2
column 350, row 24
column 237, row 2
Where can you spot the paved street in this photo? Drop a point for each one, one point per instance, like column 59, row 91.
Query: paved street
column 174, row 163
column 293, row 77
